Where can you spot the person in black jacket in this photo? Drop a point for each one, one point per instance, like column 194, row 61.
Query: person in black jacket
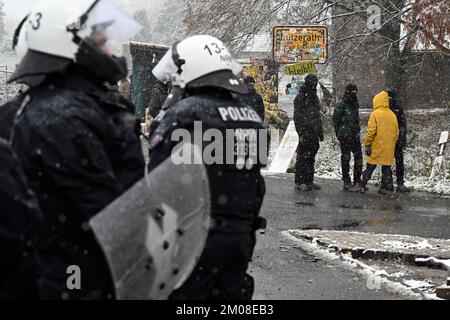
column 253, row 98
column 401, row 144
column 235, row 180
column 308, row 124
column 348, row 128
column 158, row 97
column 77, row 142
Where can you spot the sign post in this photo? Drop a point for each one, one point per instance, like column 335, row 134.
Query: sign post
column 439, row 162
column 294, row 44
column 301, row 69
column 286, row 151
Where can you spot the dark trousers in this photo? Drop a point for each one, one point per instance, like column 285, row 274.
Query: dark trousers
column 221, row 273
column 306, row 159
column 348, row 147
column 399, row 165
column 386, row 179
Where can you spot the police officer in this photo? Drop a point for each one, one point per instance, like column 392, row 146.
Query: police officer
column 308, row 124
column 76, row 139
column 203, row 68
column 158, row 97
column 401, row 143
column 18, row 271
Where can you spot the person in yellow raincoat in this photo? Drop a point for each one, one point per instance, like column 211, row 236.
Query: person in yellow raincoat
column 380, row 142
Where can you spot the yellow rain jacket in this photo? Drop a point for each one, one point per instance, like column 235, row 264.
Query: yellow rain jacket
column 382, row 133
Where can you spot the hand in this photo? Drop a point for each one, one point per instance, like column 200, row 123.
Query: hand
column 368, row 151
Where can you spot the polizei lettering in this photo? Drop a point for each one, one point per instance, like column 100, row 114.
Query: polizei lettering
column 239, row 114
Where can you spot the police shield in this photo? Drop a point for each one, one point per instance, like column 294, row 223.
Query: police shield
column 154, row 234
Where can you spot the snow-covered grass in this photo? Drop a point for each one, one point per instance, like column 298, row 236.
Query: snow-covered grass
column 377, row 278
column 418, row 165
column 422, row 143
column 7, row 65
column 404, row 245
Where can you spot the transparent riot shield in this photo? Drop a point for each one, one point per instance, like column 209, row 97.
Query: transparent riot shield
column 154, row 234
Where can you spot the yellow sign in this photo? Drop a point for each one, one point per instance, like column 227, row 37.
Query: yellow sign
column 292, row 44
column 301, row 69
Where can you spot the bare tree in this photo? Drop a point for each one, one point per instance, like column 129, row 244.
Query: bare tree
column 432, row 19
column 403, row 25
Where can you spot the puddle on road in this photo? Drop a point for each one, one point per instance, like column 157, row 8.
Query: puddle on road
column 347, row 224
column 304, row 204
column 312, row 227
column 377, row 207
column 354, row 207
column 381, row 222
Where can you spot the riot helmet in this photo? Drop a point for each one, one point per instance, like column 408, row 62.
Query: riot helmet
column 198, row 62
column 58, row 34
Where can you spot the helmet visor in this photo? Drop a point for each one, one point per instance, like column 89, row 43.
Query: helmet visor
column 236, row 67
column 166, row 69
column 111, row 21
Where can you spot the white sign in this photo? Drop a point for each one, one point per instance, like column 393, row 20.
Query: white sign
column 439, row 162
column 286, row 151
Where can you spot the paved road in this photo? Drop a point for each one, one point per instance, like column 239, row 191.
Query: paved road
column 283, row 272
column 287, row 104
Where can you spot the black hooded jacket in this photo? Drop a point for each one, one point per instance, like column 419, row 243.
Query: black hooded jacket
column 307, row 116
column 346, row 119
column 402, row 124
column 158, row 96
column 79, row 146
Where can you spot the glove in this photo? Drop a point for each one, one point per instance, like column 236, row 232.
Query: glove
column 368, row 151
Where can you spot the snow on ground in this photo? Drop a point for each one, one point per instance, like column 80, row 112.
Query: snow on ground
column 377, row 278
column 417, row 162
column 424, row 131
column 424, row 128
column 415, row 284
column 404, row 245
